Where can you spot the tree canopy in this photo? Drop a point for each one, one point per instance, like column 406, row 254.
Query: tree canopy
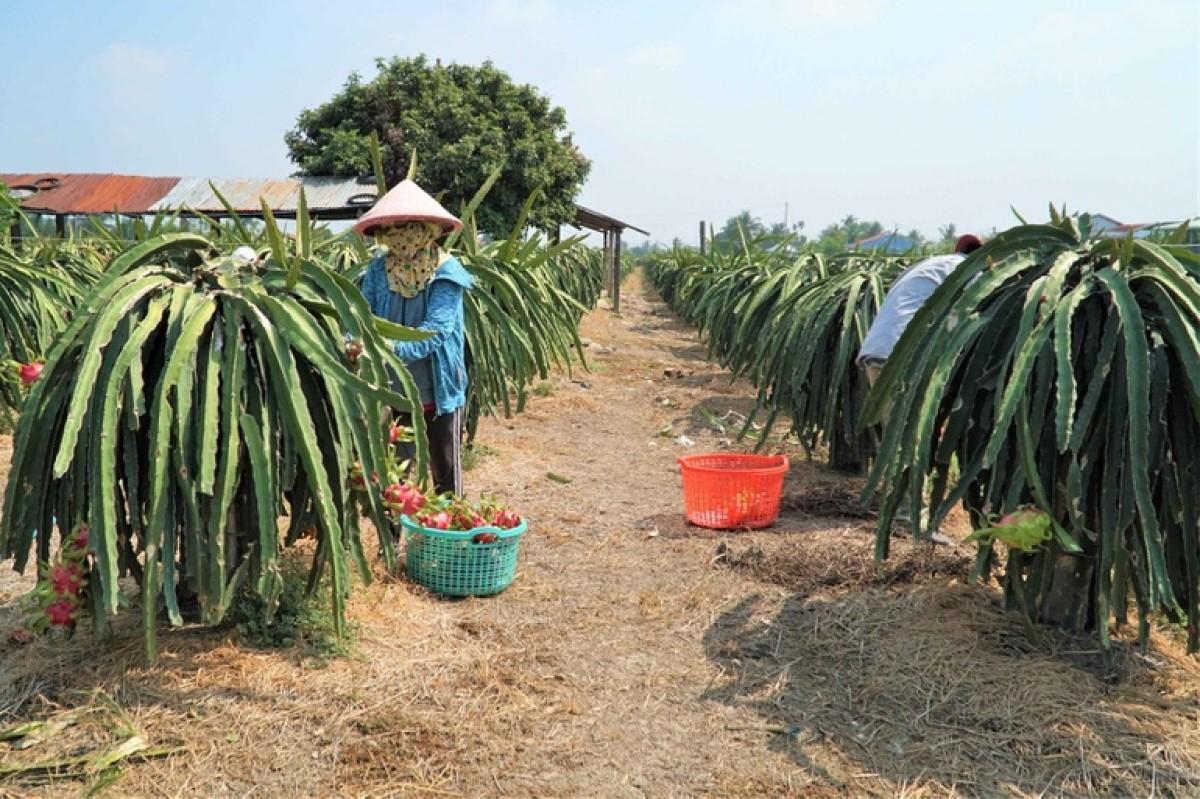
column 833, row 239
column 464, row 122
column 841, row 236
column 744, row 223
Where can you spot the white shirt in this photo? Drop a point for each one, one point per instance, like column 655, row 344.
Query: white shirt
column 903, row 300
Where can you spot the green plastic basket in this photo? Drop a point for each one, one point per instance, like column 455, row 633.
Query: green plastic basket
column 449, row 563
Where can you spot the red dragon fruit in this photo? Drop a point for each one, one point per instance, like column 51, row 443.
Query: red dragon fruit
column 436, row 521
column 59, row 597
column 403, row 498
column 413, row 502
column 20, row 636
column 66, row 579
column 30, row 372
column 80, row 540
column 61, row 613
column 393, row 496
column 506, row 519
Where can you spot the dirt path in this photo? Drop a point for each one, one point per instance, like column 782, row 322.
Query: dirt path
column 635, row 656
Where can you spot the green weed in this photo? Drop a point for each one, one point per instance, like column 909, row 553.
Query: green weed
column 474, row 454
column 302, row 620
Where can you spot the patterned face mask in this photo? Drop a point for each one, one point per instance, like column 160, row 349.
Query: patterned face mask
column 411, row 258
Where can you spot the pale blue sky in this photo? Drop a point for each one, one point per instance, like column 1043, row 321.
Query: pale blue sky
column 914, row 113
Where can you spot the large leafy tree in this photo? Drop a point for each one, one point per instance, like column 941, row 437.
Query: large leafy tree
column 840, row 236
column 745, row 227
column 464, row 122
column 736, row 228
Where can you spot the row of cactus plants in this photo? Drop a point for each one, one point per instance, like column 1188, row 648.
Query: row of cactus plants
column 193, row 401
column 792, row 324
column 1051, row 385
column 1057, row 373
column 189, row 400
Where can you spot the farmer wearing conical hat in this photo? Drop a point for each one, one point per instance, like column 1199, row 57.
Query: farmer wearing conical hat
column 414, row 282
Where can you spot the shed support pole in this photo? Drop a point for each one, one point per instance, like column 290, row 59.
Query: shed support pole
column 616, row 271
column 60, row 225
column 607, row 261
column 703, row 244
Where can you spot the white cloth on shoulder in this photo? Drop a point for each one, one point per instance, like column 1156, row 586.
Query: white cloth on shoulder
column 903, row 300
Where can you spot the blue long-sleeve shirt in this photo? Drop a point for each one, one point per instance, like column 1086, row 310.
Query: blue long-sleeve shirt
column 438, row 362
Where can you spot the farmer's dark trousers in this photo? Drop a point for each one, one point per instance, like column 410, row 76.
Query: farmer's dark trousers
column 445, row 450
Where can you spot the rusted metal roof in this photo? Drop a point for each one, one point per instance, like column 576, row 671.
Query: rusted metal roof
column 329, row 197
column 86, row 193
column 322, row 194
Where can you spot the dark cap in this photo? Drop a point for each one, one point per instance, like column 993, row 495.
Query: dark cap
column 967, row 244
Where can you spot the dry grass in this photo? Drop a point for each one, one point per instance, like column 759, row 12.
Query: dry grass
column 832, row 498
column 633, row 658
column 937, row 689
column 436, row 690
column 842, row 560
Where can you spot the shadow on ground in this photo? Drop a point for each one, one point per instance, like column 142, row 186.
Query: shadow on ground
column 934, row 686
column 689, row 352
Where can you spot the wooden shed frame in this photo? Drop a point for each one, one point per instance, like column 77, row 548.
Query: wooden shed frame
column 611, row 228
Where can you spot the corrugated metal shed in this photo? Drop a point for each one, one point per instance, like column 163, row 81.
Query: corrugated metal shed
column 328, row 197
column 1103, row 222
column 86, row 193
column 324, row 194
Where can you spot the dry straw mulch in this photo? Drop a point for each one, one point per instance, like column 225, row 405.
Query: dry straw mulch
column 935, row 690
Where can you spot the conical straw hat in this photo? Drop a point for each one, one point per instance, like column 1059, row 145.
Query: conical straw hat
column 407, row 202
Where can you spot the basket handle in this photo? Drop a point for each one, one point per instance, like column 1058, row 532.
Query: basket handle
column 499, row 531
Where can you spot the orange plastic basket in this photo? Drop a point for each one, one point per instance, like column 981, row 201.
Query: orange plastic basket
column 730, row 491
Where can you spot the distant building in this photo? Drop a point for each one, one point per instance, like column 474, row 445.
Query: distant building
column 889, row 243
column 1109, row 228
column 1102, row 223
